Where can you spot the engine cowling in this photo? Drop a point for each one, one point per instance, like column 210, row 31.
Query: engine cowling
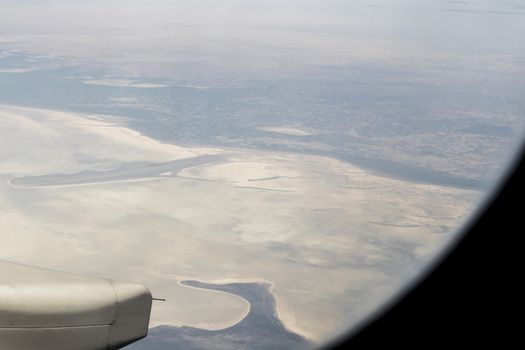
column 49, row 310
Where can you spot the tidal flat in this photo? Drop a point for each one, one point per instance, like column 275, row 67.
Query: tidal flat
column 333, row 239
column 260, row 329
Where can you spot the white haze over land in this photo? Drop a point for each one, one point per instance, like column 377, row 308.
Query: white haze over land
column 336, row 240
column 251, row 35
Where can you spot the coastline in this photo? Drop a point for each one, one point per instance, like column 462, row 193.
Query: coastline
column 56, row 142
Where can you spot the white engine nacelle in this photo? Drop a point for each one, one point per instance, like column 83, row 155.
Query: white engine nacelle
column 49, row 310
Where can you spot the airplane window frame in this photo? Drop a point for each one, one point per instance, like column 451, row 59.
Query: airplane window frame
column 467, row 296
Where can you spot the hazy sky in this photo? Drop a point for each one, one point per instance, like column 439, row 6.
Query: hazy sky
column 472, row 27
